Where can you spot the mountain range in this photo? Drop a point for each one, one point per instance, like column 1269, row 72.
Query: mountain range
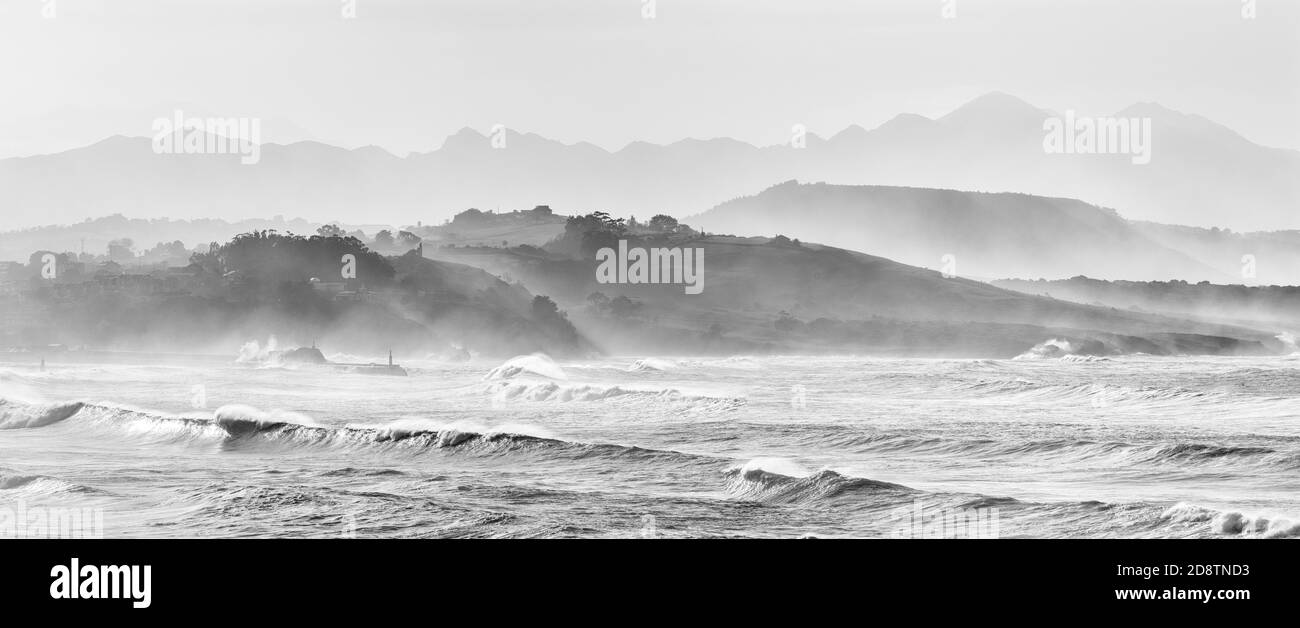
column 1201, row 173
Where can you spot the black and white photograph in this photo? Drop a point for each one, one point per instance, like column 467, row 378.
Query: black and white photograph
column 932, row 274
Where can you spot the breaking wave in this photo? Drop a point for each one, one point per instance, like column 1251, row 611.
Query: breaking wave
column 253, row 351
column 652, row 364
column 16, row 415
column 1232, row 522
column 239, row 420
column 243, row 426
column 775, row 480
column 18, row 486
column 1047, row 349
column 536, row 364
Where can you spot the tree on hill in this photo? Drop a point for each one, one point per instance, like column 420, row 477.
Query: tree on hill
column 119, row 250
column 584, row 235
column 168, row 252
column 663, row 223
column 274, row 257
column 544, row 308
column 330, row 231
column 408, row 240
column 549, row 317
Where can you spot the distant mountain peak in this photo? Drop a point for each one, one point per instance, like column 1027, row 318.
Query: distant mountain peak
column 467, row 132
column 993, row 106
column 998, row 99
column 373, row 150
column 466, row 136
column 850, row 132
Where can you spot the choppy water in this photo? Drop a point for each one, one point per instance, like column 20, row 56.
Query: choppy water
column 769, row 447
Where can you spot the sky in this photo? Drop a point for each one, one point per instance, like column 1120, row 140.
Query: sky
column 404, row 75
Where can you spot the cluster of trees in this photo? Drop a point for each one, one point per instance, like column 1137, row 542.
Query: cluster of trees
column 403, row 241
column 262, row 280
column 619, row 306
column 170, row 253
column 119, row 250
column 275, row 257
column 549, row 317
column 584, row 235
column 659, row 223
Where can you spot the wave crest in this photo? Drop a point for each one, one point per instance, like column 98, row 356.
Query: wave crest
column 652, row 364
column 1232, row 522
column 238, row 420
column 771, row 480
column 16, row 416
column 536, row 364
column 29, row 486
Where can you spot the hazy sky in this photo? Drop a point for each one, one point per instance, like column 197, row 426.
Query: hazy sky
column 404, row 75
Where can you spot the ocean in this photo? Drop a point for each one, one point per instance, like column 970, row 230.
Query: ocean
column 644, row 447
